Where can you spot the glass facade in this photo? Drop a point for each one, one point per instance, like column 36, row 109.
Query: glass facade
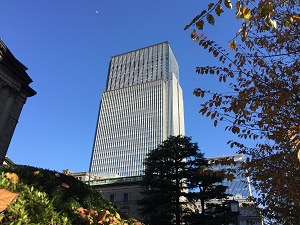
column 141, row 106
column 239, row 187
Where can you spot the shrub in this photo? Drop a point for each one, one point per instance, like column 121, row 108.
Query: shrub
column 49, row 197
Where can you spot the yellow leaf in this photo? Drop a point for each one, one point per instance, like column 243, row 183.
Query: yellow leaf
column 246, row 13
column 296, row 17
column 13, row 177
column 228, row 4
column 36, row 173
column 299, row 155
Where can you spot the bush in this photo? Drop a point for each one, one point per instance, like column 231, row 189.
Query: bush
column 49, row 197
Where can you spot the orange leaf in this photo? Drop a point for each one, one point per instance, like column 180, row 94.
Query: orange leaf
column 7, row 198
column 232, row 45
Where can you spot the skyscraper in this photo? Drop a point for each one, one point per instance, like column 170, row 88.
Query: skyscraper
column 141, row 106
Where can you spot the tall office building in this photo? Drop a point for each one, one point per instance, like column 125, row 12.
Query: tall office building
column 141, row 106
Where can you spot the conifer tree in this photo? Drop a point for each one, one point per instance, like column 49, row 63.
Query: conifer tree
column 171, row 171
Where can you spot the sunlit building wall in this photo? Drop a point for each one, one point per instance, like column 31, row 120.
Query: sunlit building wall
column 141, row 106
column 239, row 187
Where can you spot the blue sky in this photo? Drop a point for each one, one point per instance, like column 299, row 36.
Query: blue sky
column 67, row 45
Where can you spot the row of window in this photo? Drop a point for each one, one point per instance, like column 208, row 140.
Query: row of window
column 125, row 197
column 139, row 66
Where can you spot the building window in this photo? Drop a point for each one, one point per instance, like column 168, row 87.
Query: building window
column 125, row 197
column 112, row 198
column 125, row 210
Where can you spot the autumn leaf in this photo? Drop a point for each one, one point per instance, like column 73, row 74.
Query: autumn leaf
column 13, row 177
column 295, row 18
column 36, row 173
column 229, row 176
column 264, row 100
column 219, row 10
column 81, row 210
column 64, row 185
column 215, row 123
column 232, row 45
column 7, row 198
column 235, row 130
column 102, row 215
column 210, row 19
column 228, row 4
column 215, row 53
column 244, row 35
column 210, row 5
column 246, row 13
column 271, row 23
column 200, row 24
column 194, row 36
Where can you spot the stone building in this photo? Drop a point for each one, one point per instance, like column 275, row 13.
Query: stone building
column 14, row 90
column 123, row 192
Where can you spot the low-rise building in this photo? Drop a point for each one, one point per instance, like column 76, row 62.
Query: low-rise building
column 125, row 192
column 82, row 176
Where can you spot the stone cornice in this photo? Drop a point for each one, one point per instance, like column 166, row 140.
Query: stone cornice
column 17, row 69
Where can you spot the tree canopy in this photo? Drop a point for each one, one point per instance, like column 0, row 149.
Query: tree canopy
column 173, row 183
column 263, row 103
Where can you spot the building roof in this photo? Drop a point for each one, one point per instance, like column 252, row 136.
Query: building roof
column 164, row 42
column 8, row 61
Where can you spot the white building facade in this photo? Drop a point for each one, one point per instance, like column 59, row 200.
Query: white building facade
column 141, row 106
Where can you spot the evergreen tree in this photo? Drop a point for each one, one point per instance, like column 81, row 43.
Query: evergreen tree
column 171, row 170
column 206, row 187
